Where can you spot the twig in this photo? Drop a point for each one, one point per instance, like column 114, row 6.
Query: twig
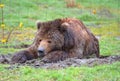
column 10, row 34
column 2, row 23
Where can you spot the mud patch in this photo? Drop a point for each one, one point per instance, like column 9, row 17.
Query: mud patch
column 75, row 62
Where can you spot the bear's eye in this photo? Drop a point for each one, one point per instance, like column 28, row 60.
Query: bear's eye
column 40, row 40
column 49, row 41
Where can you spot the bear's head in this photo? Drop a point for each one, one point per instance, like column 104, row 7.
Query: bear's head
column 52, row 36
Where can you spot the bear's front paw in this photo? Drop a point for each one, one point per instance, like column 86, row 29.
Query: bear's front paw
column 19, row 58
column 46, row 60
column 49, row 60
column 55, row 56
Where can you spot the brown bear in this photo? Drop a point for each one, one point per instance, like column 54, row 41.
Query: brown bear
column 60, row 39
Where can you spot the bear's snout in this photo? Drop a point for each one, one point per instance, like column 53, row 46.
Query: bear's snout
column 41, row 51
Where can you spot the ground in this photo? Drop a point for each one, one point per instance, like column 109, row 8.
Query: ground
column 75, row 62
column 104, row 24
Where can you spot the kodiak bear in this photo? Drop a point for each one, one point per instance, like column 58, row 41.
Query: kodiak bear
column 60, row 39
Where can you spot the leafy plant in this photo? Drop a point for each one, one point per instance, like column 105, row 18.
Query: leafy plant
column 6, row 39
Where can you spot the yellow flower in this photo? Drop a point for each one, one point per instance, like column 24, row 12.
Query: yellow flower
column 4, row 40
column 21, row 25
column 2, row 25
column 94, row 11
column 1, row 5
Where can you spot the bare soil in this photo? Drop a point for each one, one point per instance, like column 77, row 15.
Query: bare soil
column 75, row 62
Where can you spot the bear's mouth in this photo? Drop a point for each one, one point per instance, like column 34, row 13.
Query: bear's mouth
column 40, row 54
column 43, row 54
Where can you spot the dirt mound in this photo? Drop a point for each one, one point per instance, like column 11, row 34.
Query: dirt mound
column 5, row 59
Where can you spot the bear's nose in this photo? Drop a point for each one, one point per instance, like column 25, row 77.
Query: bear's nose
column 41, row 51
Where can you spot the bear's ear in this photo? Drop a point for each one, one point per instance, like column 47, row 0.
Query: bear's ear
column 38, row 24
column 63, row 27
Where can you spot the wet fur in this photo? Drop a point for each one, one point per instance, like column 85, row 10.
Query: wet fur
column 78, row 41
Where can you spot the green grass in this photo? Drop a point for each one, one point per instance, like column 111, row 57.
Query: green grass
column 109, row 46
column 28, row 11
column 97, row 73
column 104, row 23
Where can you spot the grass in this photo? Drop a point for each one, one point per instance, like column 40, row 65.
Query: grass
column 109, row 46
column 104, row 23
column 107, row 29
column 97, row 73
column 28, row 11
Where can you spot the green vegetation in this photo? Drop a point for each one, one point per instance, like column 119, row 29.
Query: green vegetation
column 97, row 73
column 104, row 23
column 28, row 11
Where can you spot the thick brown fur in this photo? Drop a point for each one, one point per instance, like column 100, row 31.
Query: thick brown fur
column 60, row 39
